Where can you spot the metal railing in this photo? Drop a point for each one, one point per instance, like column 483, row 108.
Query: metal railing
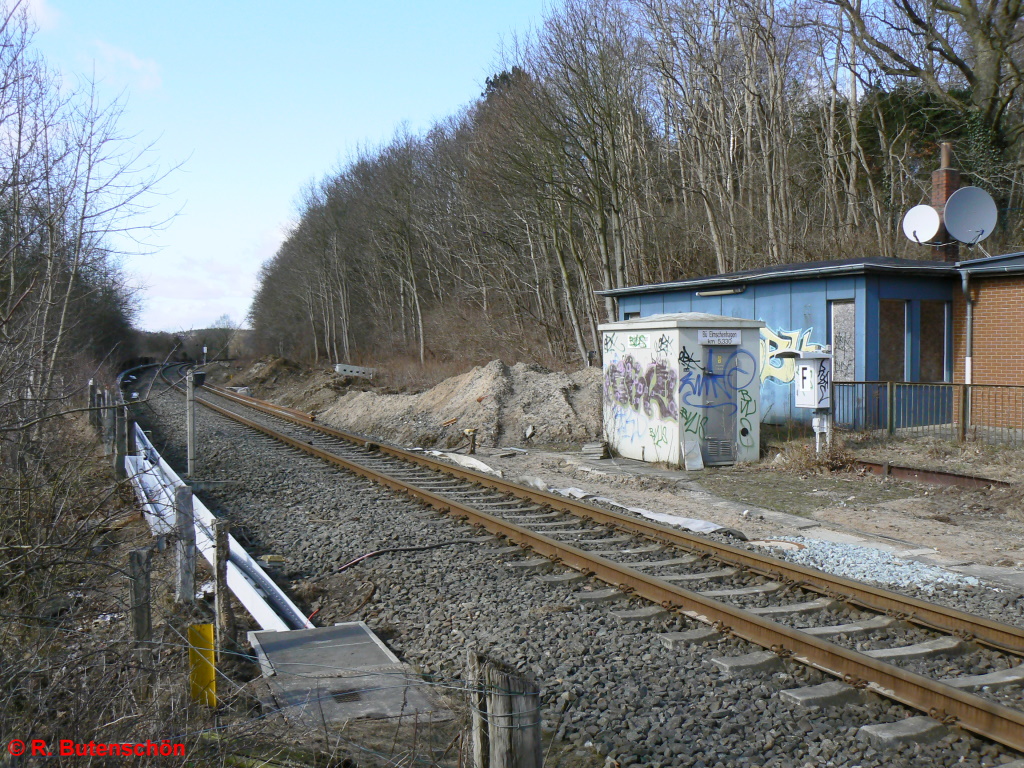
column 990, row 413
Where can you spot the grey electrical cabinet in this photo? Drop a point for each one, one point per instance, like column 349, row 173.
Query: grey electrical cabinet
column 684, row 389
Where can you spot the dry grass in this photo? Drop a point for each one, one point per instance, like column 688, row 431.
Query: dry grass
column 834, row 457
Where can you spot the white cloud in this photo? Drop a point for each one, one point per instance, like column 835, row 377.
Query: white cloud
column 42, row 13
column 123, row 68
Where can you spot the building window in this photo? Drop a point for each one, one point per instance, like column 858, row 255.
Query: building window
column 843, row 338
column 933, row 340
column 630, row 315
column 892, row 340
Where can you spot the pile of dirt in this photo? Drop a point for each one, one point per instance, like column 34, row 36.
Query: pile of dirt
column 290, row 384
column 502, row 403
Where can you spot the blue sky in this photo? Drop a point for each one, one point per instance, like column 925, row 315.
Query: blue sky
column 256, row 99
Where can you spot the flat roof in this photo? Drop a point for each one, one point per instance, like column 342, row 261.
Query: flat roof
column 803, row 271
column 681, row 320
column 1007, row 263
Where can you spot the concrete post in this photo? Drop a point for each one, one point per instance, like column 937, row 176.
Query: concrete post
column 190, row 417
column 184, row 521
column 120, row 441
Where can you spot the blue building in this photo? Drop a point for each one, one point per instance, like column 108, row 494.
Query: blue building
column 885, row 319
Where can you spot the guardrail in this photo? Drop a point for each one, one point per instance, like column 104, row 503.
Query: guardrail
column 990, row 413
column 155, row 484
column 354, row 370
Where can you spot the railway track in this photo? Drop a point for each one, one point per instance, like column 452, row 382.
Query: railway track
column 791, row 610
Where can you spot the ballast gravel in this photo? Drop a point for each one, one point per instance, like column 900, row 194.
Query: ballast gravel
column 871, row 565
column 610, row 688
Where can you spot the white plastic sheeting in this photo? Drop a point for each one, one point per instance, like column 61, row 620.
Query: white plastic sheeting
column 689, row 523
column 155, row 483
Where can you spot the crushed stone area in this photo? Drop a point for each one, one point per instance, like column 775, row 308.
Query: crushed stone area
column 611, row 689
column 895, row 515
column 872, row 566
column 563, row 411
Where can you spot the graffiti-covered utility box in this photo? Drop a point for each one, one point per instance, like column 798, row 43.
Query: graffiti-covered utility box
column 813, row 380
column 684, row 389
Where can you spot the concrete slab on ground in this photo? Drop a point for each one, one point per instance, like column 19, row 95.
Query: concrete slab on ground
column 1009, row 577
column 913, row 730
column 341, row 673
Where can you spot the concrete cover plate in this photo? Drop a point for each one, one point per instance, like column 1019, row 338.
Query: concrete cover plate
column 341, row 673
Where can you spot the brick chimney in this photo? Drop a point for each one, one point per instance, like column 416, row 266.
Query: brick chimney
column 945, row 181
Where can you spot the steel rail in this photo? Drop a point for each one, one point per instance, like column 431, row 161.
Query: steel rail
column 950, row 705
column 932, row 476
column 1003, row 637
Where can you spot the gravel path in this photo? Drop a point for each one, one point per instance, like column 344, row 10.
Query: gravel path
column 610, row 688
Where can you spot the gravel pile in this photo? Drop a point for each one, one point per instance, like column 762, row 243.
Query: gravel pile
column 611, row 689
column 872, row 566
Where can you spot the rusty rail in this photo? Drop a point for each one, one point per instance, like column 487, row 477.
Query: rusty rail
column 932, row 476
column 967, row 710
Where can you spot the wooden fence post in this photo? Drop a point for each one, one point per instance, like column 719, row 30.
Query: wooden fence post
column 509, row 704
column 129, row 431
column 94, row 420
column 225, row 618
column 478, row 708
column 106, row 422
column 139, row 565
column 184, row 522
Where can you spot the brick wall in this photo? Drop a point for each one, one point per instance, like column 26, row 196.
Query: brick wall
column 945, row 181
column 998, row 348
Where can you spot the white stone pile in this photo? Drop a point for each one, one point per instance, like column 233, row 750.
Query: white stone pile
column 871, row 565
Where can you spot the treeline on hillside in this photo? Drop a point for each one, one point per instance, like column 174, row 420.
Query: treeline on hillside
column 67, row 184
column 635, row 141
column 223, row 340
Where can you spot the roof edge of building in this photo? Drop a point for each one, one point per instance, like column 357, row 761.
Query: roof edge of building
column 808, row 270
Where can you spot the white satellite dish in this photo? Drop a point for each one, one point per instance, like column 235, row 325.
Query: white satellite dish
column 921, row 224
column 970, row 215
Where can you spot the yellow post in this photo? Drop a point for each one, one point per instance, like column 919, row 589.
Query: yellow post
column 202, row 676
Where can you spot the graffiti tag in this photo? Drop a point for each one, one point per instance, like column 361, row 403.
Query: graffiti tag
column 659, row 436
column 694, row 422
column 748, row 405
column 824, row 383
column 626, row 425
column 748, row 408
column 610, row 344
column 781, row 369
column 699, row 389
column 688, row 361
column 638, row 342
column 664, row 344
column 642, row 390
